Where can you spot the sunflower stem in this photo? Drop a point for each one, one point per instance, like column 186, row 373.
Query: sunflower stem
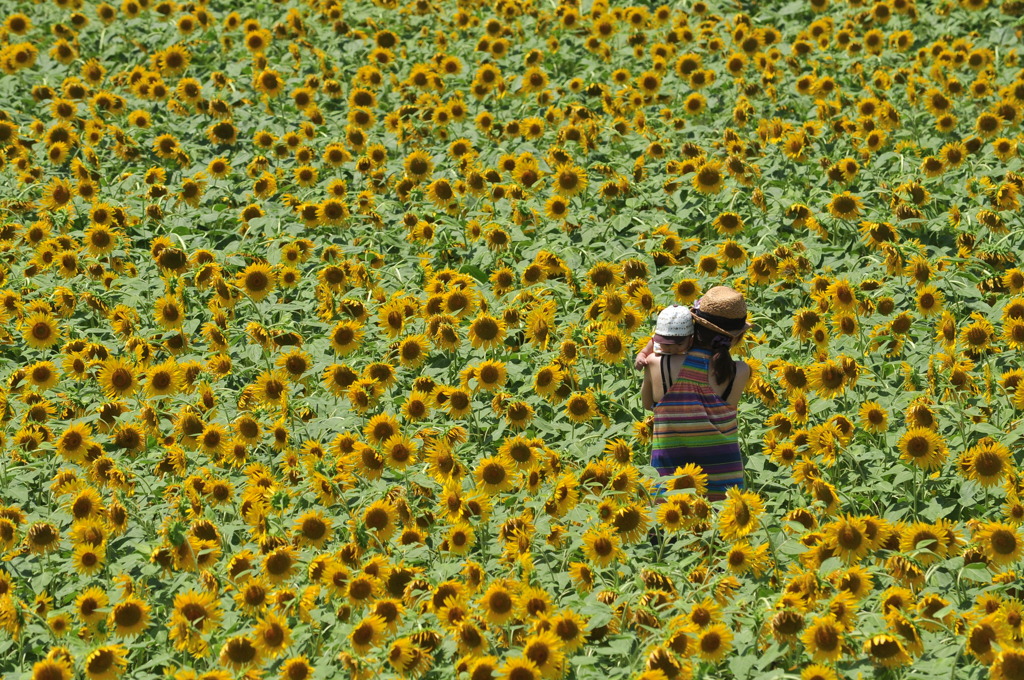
column 771, row 548
column 917, row 494
column 960, row 421
column 956, row 660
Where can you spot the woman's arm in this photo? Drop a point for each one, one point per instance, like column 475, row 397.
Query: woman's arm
column 739, row 383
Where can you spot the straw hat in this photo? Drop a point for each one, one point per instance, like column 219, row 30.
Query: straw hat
column 673, row 322
column 723, row 310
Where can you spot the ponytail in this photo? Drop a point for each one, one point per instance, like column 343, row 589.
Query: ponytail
column 721, row 359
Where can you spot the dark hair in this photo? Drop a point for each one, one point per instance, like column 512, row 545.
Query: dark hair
column 721, row 361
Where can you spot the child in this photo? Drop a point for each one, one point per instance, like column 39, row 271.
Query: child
column 673, row 334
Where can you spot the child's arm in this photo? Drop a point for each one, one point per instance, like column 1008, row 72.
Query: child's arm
column 647, row 390
column 641, row 358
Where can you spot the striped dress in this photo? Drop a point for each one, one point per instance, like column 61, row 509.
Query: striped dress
column 692, row 424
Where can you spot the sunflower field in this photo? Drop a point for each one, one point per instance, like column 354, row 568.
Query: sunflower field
column 318, row 318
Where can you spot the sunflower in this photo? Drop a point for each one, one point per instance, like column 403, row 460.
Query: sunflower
column 923, row 447
column 458, row 401
column 418, row 166
column 987, row 463
column 1001, row 542
column 87, row 559
column 845, row 206
column 714, row 642
column 493, row 475
column 379, row 518
column 128, row 617
column 295, row 364
column 580, row 407
column 412, row 351
column 57, row 194
column 986, row 636
column 269, row 82
column 926, row 540
column 43, row 375
column 40, row 330
column 686, row 291
column 271, row 387
column 742, row 557
column 887, row 650
column 416, row 406
column 728, row 223
column 545, row 649
column 979, row 334
column 100, row 239
column 106, row 663
column 921, row 414
column 346, row 337
column 1014, row 280
column 611, row 347
column 1013, row 333
column 601, row 546
column 50, row 669
column 195, row 614
column 272, row 635
column 367, row 634
column 569, row 180
column 440, row 192
column 8, row 533
column 498, row 603
column 117, row 378
column 280, row 564
column 786, row 625
column 1004, row 148
column 402, row 656
column 823, row 639
column 313, row 528
column 873, row 417
column 486, row 331
column 708, row 178
column 694, row 104
column 877, row 233
column 491, row 375
column 827, row 378
column 556, row 207
column 168, row 312
column 518, row 668
column 238, row 652
column 90, row 605
column 689, row 476
column 460, row 539
column 257, row 281
column 741, row 513
column 1007, row 665
column 42, row 537
column 399, row 451
column 380, row 428
column 847, row 537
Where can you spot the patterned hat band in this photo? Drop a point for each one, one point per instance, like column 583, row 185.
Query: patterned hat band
column 723, row 322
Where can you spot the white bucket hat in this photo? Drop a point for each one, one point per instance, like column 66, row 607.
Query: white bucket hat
column 673, row 323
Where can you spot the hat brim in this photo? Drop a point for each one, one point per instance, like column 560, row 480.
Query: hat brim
column 670, row 339
column 733, row 334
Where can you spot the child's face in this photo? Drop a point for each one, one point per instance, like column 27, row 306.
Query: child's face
column 680, row 346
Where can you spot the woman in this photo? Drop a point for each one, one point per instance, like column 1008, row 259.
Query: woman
column 694, row 395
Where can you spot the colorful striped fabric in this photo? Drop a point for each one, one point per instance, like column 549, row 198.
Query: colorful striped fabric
column 692, row 424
